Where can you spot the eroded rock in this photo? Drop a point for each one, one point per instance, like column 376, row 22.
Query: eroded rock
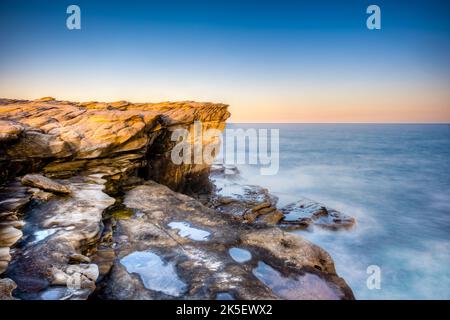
column 44, row 183
column 57, row 233
column 7, row 286
column 305, row 213
column 204, row 268
column 116, row 138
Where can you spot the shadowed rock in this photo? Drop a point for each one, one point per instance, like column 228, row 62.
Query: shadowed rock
column 66, row 136
column 67, row 226
column 44, row 183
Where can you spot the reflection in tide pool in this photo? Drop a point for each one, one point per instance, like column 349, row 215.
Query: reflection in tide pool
column 42, row 234
column 155, row 274
column 304, row 287
column 240, row 255
column 54, row 293
column 185, row 230
column 224, row 296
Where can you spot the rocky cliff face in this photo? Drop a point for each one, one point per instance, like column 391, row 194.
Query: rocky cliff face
column 63, row 138
column 84, row 204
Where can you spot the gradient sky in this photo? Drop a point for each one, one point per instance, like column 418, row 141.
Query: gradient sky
column 272, row 61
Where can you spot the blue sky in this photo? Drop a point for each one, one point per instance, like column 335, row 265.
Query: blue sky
column 270, row 60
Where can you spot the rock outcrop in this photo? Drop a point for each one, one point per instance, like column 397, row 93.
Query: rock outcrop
column 254, row 205
column 170, row 228
column 306, row 213
column 63, row 138
column 91, row 205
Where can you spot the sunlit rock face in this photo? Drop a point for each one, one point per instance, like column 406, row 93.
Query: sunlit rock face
column 64, row 138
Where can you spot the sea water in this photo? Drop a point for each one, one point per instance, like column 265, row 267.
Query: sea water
column 394, row 179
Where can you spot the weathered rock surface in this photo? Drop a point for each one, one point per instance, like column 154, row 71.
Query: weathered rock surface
column 7, row 286
column 175, row 230
column 66, row 136
column 13, row 198
column 247, row 203
column 44, row 183
column 56, row 234
column 306, row 213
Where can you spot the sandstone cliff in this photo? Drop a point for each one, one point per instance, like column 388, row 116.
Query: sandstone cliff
column 63, row 138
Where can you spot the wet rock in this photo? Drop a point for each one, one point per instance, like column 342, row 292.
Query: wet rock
column 261, row 206
column 7, row 286
column 202, row 268
column 305, row 213
column 104, row 259
column 223, row 170
column 290, row 248
column 273, row 217
column 44, row 183
column 75, row 223
column 300, row 287
column 242, row 201
column 38, row 194
column 248, row 203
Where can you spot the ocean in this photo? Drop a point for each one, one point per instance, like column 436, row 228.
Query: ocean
column 393, row 178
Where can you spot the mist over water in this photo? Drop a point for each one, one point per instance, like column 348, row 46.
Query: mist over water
column 394, row 179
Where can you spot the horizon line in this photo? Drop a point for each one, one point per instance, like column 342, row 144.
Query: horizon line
column 394, row 123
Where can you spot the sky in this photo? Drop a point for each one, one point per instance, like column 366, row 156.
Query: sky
column 271, row 61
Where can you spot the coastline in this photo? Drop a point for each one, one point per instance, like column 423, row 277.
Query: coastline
column 88, row 188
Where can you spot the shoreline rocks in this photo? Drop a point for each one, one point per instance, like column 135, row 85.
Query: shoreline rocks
column 204, row 266
column 307, row 213
column 57, row 232
column 89, row 221
column 44, row 183
column 254, row 204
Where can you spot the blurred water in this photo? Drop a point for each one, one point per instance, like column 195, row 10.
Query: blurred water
column 394, row 179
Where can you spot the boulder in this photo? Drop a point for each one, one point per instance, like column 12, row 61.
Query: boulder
column 7, row 286
column 44, row 183
column 305, row 213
